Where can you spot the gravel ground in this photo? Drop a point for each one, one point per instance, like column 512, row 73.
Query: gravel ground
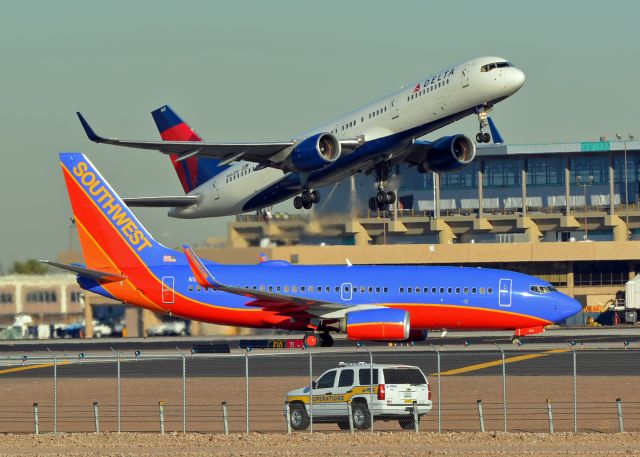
column 319, row 444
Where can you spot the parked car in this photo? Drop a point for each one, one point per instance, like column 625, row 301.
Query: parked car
column 78, row 330
column 169, row 328
column 390, row 395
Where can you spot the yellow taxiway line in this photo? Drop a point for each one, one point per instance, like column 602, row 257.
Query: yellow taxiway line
column 31, row 367
column 495, row 363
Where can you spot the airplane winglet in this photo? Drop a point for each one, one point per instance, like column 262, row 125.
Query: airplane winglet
column 202, row 275
column 96, row 275
column 497, row 138
column 88, row 130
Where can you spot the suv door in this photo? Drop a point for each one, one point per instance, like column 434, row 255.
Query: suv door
column 322, row 404
column 343, row 387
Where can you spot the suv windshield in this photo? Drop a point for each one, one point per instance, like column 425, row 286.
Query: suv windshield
column 403, row 376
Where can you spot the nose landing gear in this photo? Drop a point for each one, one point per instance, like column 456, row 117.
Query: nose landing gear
column 307, row 199
column 482, row 136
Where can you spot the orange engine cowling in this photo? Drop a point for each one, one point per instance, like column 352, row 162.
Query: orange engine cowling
column 380, row 324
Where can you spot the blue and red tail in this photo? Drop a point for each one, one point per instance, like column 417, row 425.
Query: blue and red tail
column 192, row 171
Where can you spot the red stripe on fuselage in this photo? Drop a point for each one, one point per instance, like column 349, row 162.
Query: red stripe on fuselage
column 437, row 316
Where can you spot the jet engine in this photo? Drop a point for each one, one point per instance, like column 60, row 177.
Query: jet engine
column 314, row 153
column 448, row 154
column 380, row 324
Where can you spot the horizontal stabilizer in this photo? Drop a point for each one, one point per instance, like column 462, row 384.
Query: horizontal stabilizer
column 162, row 202
column 96, row 275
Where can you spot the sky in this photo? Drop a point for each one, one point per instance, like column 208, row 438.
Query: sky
column 255, row 70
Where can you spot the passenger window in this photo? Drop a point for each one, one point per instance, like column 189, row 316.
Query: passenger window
column 190, row 290
column 364, row 376
column 337, row 289
column 473, row 290
column 466, row 290
column 402, row 290
column 442, row 290
column 262, row 288
column 386, row 290
column 450, row 290
column 457, row 290
column 310, row 288
column 377, row 290
column 270, row 288
column 346, row 378
column 417, row 290
column 489, row 290
column 409, row 290
column 301, row 288
column 278, row 288
column 327, row 381
column 286, row 288
column 294, row 288
column 482, row 290
column 370, row 289
column 433, row 290
column 198, row 288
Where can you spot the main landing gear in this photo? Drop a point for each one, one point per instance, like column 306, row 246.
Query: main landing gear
column 324, row 340
column 382, row 199
column 307, row 199
column 482, row 136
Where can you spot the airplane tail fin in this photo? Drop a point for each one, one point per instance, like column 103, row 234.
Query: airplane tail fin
column 495, row 134
column 113, row 240
column 191, row 171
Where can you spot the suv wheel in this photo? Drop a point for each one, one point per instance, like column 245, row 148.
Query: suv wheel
column 298, row 416
column 361, row 416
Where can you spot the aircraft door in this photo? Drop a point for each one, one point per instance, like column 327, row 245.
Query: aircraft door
column 346, row 291
column 394, row 108
column 167, row 289
column 504, row 292
column 465, row 76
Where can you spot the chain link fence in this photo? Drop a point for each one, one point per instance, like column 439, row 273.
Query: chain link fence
column 575, row 390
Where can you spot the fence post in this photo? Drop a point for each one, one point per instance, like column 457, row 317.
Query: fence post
column 184, row 391
column 119, row 400
column 287, row 416
column 225, row 418
column 55, row 391
column 550, row 415
column 416, row 419
column 350, row 411
column 161, row 408
column 36, row 421
column 439, row 390
column 370, row 387
column 310, row 393
column 246, row 387
column 96, row 416
column 480, row 415
column 620, row 418
column 504, row 387
column 575, row 394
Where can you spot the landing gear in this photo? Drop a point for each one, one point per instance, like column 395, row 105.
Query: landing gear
column 482, row 136
column 382, row 198
column 307, row 199
column 312, row 340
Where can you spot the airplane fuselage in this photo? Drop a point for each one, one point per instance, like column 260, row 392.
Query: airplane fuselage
column 435, row 297
column 387, row 126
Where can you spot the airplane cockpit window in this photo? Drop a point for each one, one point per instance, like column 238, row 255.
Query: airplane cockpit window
column 542, row 289
column 491, row 66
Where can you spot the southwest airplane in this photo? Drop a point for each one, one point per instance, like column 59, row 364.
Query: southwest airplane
column 389, row 303
column 222, row 179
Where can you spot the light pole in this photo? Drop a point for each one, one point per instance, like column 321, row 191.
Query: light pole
column 585, row 181
column 626, row 183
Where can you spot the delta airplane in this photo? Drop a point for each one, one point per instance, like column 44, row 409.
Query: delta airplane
column 222, row 179
column 388, row 303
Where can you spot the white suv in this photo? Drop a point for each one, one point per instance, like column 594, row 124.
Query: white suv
column 390, row 395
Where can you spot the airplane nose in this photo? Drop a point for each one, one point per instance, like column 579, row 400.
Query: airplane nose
column 516, row 78
column 570, row 306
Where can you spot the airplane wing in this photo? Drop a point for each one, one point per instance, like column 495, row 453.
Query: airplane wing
column 101, row 276
column 270, row 300
column 264, row 153
column 162, row 202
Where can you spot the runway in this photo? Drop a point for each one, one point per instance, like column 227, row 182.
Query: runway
column 556, row 362
column 592, row 337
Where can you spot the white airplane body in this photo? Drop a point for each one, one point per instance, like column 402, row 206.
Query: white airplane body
column 243, row 177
